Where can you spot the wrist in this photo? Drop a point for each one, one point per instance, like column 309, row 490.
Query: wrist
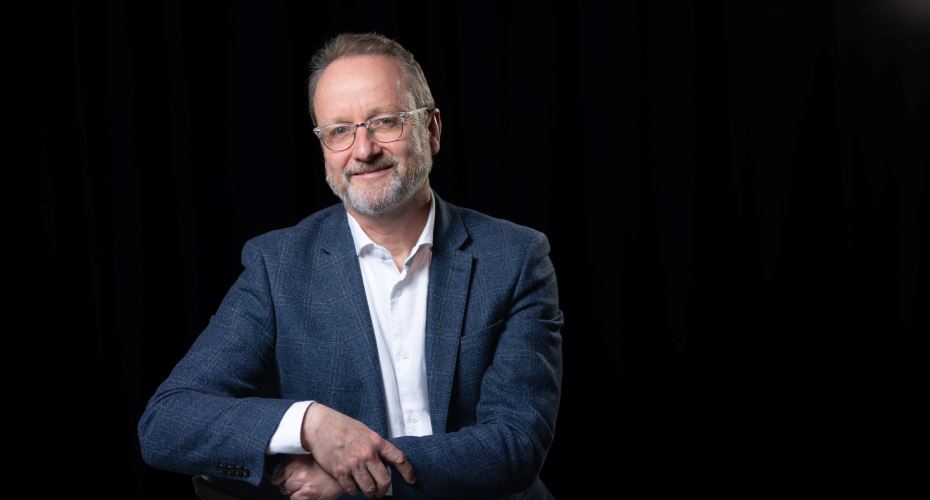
column 307, row 426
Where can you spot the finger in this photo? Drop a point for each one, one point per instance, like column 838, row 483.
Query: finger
column 382, row 477
column 397, row 458
column 284, row 472
column 308, row 492
column 364, row 481
column 348, row 484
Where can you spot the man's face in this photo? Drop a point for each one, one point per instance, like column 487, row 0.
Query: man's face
column 370, row 177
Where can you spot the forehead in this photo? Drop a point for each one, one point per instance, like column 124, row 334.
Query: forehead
column 352, row 88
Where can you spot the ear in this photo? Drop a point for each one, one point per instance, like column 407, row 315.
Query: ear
column 435, row 130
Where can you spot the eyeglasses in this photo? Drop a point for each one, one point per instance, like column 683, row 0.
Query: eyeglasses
column 388, row 127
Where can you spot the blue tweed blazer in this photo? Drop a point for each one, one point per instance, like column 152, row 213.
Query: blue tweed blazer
column 295, row 326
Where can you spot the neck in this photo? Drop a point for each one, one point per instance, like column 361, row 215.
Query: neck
column 398, row 230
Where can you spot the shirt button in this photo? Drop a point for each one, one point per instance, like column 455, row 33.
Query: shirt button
column 404, row 354
column 414, row 419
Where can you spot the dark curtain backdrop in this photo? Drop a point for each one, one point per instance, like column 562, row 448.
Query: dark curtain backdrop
column 735, row 193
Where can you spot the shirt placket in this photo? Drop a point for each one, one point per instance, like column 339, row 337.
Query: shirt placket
column 397, row 310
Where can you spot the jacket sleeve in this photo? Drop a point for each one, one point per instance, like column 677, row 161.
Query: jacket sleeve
column 208, row 416
column 504, row 451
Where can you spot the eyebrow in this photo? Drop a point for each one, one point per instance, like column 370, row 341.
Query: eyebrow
column 379, row 110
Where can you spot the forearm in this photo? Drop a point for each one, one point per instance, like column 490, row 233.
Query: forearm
column 191, row 432
column 482, row 461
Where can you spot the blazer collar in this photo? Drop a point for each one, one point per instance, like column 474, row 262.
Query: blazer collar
column 449, row 281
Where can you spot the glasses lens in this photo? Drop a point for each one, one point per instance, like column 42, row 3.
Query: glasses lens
column 386, row 128
column 337, row 137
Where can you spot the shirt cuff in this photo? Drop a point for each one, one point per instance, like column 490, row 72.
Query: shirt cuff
column 286, row 439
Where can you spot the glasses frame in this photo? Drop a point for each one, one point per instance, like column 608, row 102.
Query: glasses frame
column 318, row 131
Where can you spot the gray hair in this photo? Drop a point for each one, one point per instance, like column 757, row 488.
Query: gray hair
column 356, row 44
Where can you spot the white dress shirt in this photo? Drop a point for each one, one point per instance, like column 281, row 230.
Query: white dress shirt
column 397, row 303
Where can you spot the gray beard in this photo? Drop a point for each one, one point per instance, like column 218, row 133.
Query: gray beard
column 385, row 198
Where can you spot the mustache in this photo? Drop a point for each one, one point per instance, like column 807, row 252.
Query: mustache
column 356, row 168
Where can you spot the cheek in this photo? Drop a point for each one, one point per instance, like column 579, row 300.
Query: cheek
column 418, row 144
column 334, row 163
column 402, row 150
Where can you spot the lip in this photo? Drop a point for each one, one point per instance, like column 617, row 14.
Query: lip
column 374, row 173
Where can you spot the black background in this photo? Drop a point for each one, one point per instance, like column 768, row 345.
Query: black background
column 735, row 193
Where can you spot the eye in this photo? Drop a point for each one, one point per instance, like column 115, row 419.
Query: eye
column 386, row 121
column 336, row 131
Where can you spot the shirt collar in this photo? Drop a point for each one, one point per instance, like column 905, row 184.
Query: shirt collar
column 363, row 242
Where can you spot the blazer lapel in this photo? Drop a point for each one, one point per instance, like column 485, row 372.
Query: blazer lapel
column 343, row 279
column 449, row 278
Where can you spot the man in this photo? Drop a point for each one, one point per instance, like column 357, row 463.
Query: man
column 391, row 344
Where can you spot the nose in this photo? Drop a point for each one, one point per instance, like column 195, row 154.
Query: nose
column 365, row 148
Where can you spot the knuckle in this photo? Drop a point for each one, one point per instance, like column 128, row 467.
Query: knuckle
column 392, row 451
